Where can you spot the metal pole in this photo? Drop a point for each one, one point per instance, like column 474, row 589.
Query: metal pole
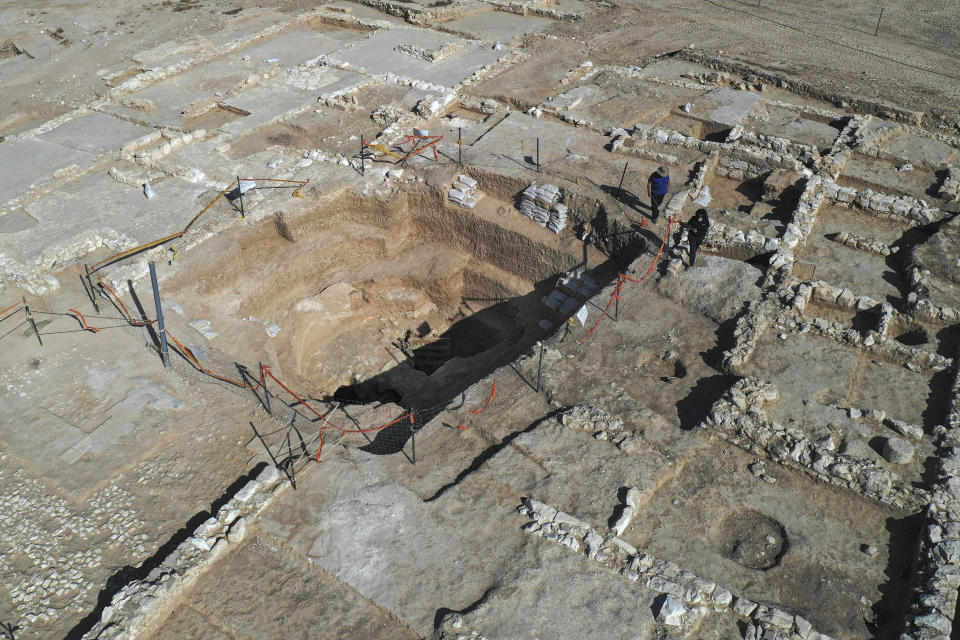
column 877, row 30
column 93, row 293
column 266, row 393
column 540, row 367
column 538, row 155
column 622, row 176
column 164, row 354
column 240, row 191
column 460, row 146
column 33, row 324
column 362, row 154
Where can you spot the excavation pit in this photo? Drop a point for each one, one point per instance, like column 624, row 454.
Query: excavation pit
column 409, row 300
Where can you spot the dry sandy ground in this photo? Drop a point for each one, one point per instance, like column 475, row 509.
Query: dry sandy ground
column 829, row 45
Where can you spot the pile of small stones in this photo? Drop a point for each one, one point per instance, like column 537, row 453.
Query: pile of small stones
column 46, row 570
column 600, row 424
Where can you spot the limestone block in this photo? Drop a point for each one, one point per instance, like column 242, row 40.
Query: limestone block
column 898, row 451
column 803, row 626
column 744, row 607
column 247, row 491
column 671, row 612
column 238, row 531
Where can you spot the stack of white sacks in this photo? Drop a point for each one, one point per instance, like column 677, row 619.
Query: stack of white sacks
column 464, row 192
column 539, row 203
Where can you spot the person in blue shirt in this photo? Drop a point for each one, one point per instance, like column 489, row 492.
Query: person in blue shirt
column 657, row 186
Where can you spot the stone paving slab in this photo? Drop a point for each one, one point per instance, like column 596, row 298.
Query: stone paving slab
column 379, row 54
column 98, row 204
column 390, row 546
column 95, row 133
column 297, row 45
column 31, row 160
column 497, row 26
column 263, row 591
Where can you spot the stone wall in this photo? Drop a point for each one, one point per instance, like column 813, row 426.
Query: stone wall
column 934, row 601
column 739, row 418
column 690, row 596
column 142, row 604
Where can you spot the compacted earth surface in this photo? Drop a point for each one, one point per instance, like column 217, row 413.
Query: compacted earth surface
column 436, row 369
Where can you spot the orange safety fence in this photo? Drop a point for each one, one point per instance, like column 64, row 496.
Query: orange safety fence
column 265, row 371
column 123, row 308
column 10, row 308
column 656, row 259
column 83, row 321
column 621, row 278
column 493, row 392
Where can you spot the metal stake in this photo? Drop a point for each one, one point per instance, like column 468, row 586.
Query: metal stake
column 460, row 146
column 538, row 155
column 266, row 394
column 93, row 293
column 362, row 156
column 240, row 192
column 622, row 176
column 539, row 367
column 875, row 31
column 164, row 354
column 33, row 324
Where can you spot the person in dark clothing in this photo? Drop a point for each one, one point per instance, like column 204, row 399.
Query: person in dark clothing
column 657, row 186
column 697, row 229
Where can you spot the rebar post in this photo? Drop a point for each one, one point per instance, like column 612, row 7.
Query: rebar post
column 540, row 366
column 33, row 324
column 164, row 353
column 240, row 195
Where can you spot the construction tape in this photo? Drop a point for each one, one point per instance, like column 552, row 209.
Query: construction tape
column 83, row 321
column 493, row 392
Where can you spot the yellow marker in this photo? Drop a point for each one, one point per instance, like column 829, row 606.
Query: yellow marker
column 173, row 249
column 571, row 321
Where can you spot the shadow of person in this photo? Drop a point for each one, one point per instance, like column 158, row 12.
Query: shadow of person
column 626, row 197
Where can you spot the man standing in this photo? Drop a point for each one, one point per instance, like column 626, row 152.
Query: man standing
column 657, row 186
column 697, row 230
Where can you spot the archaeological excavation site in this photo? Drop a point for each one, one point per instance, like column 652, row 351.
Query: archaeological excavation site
column 466, row 319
